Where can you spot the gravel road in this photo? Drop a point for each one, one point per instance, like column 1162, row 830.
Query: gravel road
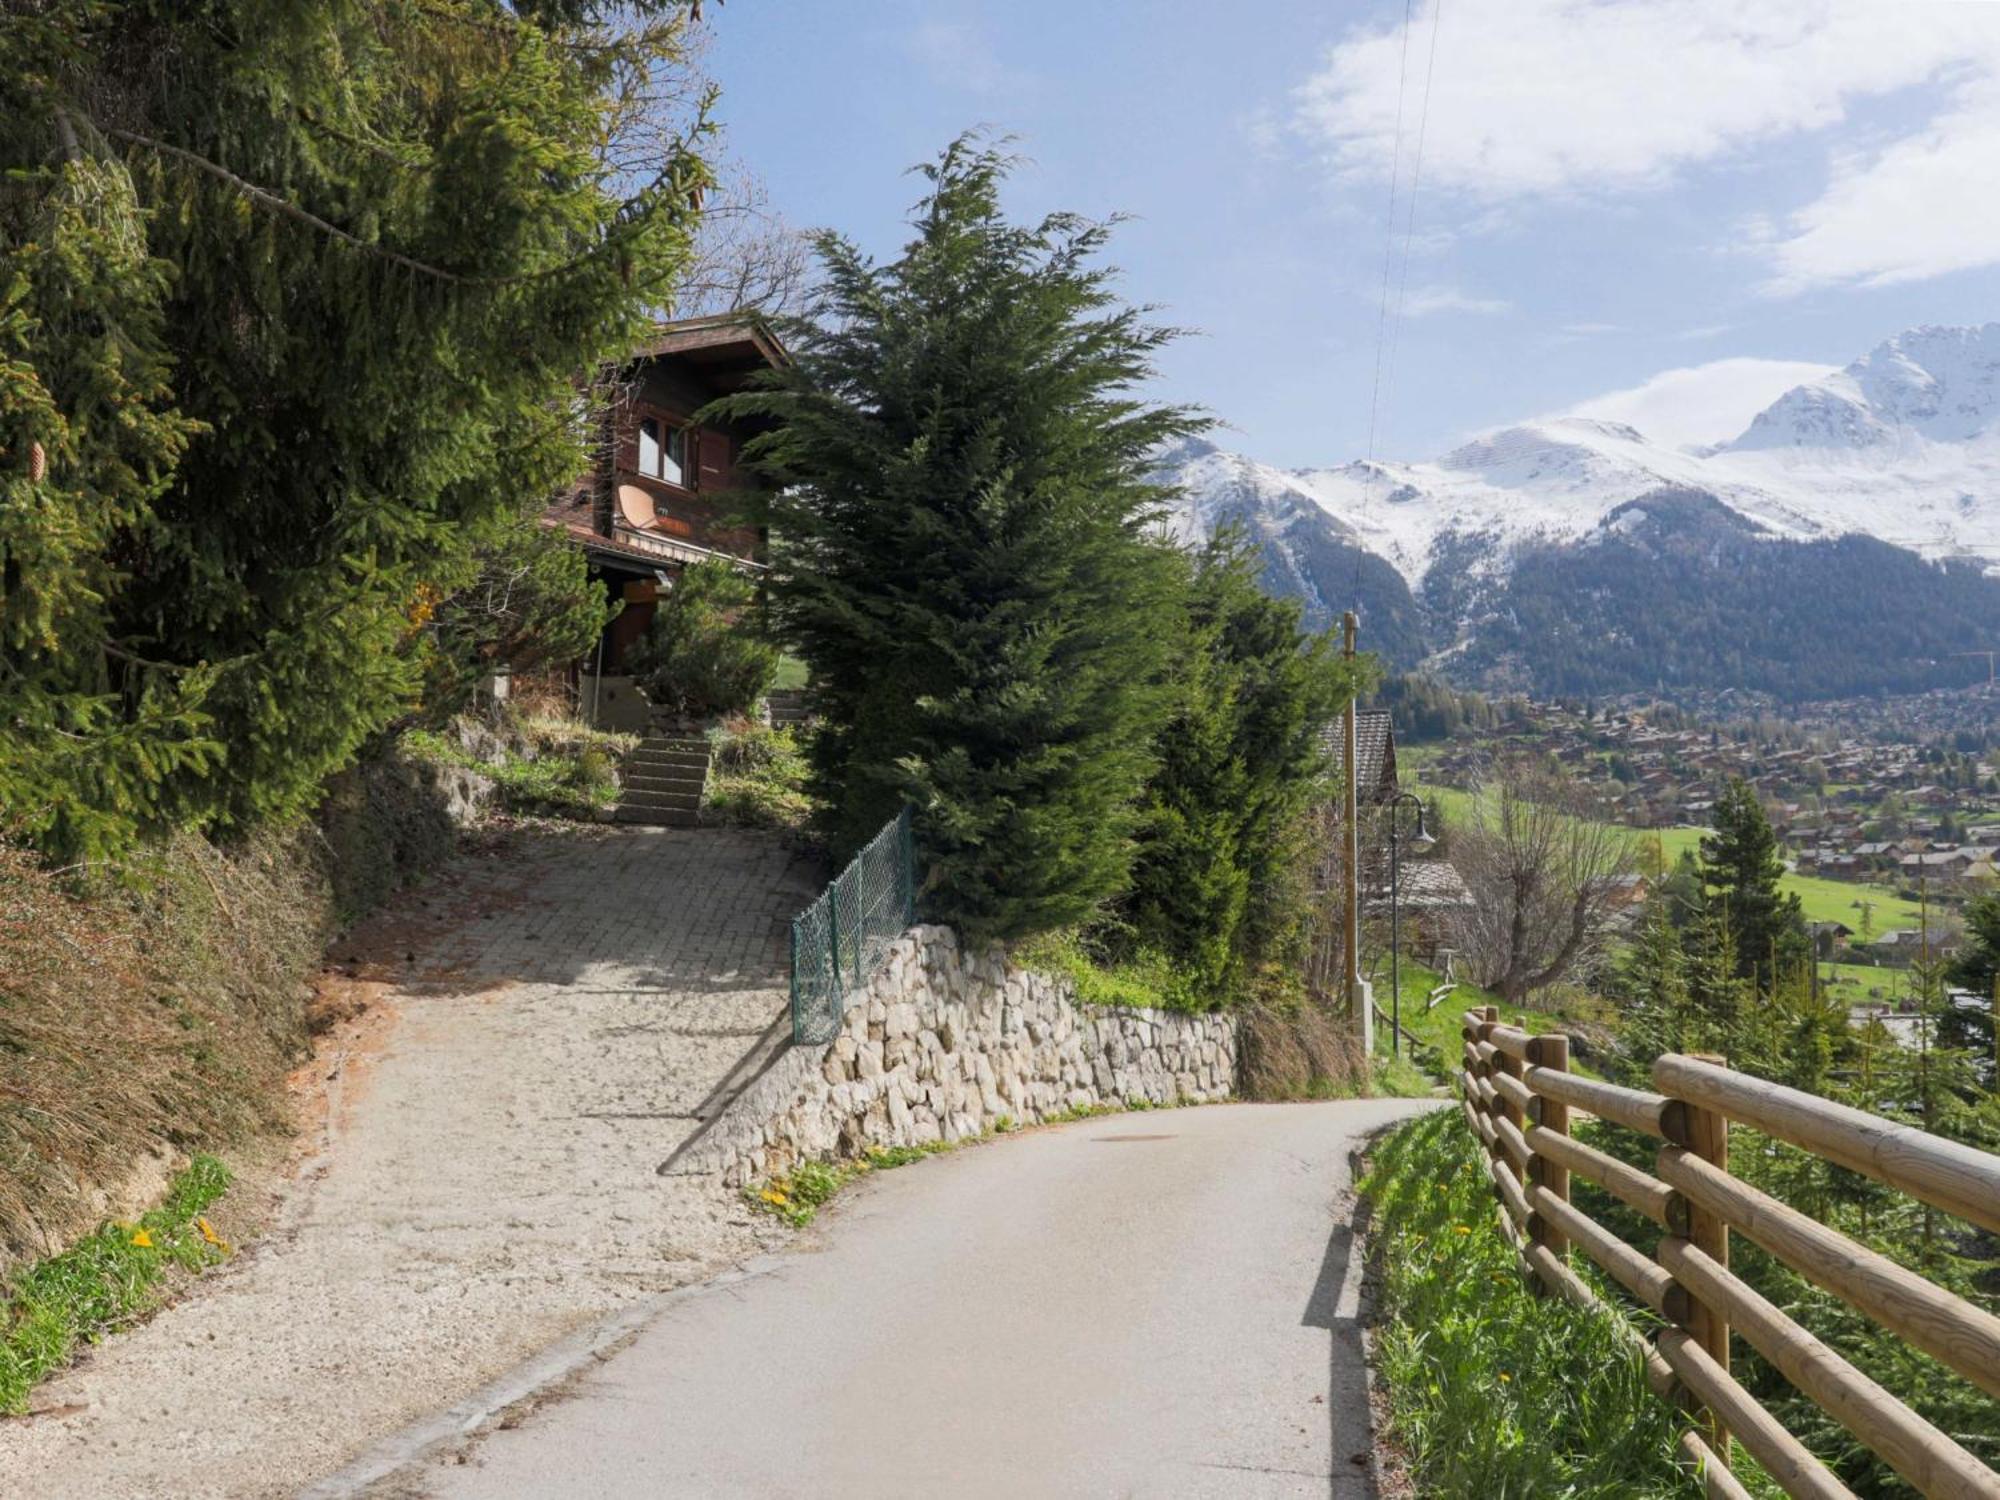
column 546, row 1031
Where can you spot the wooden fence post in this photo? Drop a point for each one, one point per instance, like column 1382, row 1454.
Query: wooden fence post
column 1551, row 1052
column 1705, row 1133
column 1512, row 1068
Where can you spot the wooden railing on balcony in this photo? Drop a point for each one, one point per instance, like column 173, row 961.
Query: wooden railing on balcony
column 1521, row 1098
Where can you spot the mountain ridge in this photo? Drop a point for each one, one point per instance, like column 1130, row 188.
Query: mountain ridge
column 1900, row 448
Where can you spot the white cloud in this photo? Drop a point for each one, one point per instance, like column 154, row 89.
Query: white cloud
column 1543, row 96
column 1922, row 206
column 1436, row 299
column 1701, row 404
column 1554, row 98
column 959, row 54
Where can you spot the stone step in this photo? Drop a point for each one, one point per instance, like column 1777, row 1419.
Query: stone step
column 789, row 708
column 676, row 747
column 644, row 779
column 645, row 797
column 644, row 757
column 656, row 817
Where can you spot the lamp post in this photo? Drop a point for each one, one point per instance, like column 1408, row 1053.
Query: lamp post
column 1419, row 841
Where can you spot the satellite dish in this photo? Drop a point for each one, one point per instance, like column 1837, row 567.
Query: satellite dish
column 635, row 504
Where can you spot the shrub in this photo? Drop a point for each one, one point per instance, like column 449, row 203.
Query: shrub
column 1144, row 977
column 758, row 779
column 551, row 766
column 702, row 653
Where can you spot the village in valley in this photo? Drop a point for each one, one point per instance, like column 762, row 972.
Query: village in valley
column 1886, row 809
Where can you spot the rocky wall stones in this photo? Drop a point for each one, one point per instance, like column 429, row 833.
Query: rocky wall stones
column 941, row 1046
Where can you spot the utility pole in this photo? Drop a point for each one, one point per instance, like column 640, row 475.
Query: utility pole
column 1992, row 663
column 1358, row 1010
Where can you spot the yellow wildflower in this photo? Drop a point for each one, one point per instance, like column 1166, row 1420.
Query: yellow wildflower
column 1462, row 1228
column 775, row 1198
column 142, row 1239
column 208, row 1233
column 1505, row 1377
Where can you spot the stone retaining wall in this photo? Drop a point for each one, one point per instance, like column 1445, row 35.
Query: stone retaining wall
column 941, row 1047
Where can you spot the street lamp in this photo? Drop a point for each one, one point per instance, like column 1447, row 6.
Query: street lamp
column 1420, row 841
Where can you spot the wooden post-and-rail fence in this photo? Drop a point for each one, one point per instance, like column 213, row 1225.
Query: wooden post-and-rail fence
column 1519, row 1096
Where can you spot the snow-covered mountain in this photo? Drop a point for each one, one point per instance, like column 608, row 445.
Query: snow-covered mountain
column 1901, row 448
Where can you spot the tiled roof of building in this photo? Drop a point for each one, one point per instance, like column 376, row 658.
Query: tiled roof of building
column 1374, row 753
column 1423, row 885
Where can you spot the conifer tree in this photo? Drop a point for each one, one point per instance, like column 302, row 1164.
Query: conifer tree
column 294, row 303
column 1741, row 869
column 962, row 549
column 1217, row 885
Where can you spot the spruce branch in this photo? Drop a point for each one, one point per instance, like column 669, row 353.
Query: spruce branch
column 628, row 218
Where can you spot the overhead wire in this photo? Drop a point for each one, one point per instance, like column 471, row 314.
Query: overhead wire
column 1416, row 187
column 1388, row 266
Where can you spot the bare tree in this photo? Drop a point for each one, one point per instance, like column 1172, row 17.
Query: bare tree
column 1546, row 876
column 746, row 258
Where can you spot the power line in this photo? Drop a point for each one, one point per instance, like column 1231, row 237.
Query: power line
column 1416, row 186
column 1388, row 263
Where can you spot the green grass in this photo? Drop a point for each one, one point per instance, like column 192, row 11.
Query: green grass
column 797, row 1196
column 575, row 777
column 1146, row 979
column 1437, row 1031
column 790, row 676
column 1858, row 982
column 1492, row 1391
column 1821, row 899
column 757, row 779
column 104, row 1282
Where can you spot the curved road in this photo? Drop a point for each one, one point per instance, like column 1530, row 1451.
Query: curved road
column 1140, row 1304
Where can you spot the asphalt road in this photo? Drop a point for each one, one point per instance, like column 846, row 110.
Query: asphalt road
column 1158, row 1304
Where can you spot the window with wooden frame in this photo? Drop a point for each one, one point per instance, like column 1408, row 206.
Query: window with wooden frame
column 663, row 451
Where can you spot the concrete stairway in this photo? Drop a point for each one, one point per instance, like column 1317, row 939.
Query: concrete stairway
column 661, row 782
column 790, row 707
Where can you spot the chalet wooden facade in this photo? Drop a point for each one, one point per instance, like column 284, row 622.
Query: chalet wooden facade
column 671, row 493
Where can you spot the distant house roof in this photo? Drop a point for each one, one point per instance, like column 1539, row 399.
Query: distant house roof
column 1374, row 753
column 1424, row 885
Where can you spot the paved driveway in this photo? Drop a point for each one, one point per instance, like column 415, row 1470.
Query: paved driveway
column 555, row 1025
column 1159, row 1304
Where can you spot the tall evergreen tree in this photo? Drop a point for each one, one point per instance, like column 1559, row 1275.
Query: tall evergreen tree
column 963, row 551
column 1218, row 884
column 294, row 300
column 1976, row 966
column 1741, row 869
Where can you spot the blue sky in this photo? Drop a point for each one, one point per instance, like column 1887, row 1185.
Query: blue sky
column 1609, row 189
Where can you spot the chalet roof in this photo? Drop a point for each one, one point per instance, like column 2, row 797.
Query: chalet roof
column 727, row 348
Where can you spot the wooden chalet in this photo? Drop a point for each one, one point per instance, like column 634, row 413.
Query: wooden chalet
column 671, row 494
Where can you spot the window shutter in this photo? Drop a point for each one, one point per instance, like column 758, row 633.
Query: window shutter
column 712, row 450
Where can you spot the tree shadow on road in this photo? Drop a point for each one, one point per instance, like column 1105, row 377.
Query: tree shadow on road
column 1339, row 1303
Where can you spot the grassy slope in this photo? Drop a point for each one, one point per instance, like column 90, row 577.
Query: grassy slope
column 105, row 1281
column 1438, row 1030
column 1492, row 1391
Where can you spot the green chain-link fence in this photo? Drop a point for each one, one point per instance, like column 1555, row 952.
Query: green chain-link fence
column 841, row 937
